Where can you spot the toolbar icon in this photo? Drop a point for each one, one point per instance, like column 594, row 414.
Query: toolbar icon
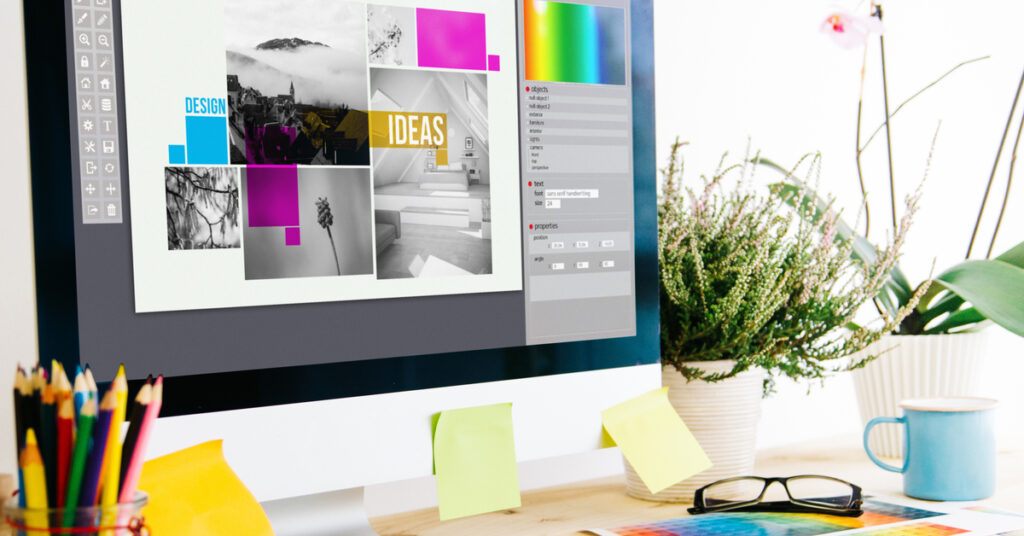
column 105, row 83
column 90, row 167
column 83, row 39
column 105, row 62
column 92, row 210
column 106, row 104
column 90, row 189
column 88, row 125
column 110, row 188
column 82, row 18
column 103, row 20
column 112, row 210
column 109, row 169
column 85, row 83
column 108, row 146
column 86, row 104
column 89, row 146
column 84, row 61
column 107, row 126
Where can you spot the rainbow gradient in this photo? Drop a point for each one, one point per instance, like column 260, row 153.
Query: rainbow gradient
column 574, row 43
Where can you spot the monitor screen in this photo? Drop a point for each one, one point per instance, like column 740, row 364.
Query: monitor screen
column 325, row 198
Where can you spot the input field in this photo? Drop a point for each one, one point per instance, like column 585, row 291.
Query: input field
column 572, row 193
column 571, row 99
column 584, row 116
column 583, row 132
column 580, row 286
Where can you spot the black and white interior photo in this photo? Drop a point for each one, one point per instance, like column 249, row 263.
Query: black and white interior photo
column 433, row 218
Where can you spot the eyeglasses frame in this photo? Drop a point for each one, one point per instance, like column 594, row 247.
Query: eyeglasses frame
column 853, row 510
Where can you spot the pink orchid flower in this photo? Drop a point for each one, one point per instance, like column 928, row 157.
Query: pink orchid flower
column 851, row 31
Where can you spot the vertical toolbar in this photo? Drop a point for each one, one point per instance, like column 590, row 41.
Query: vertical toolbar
column 96, row 111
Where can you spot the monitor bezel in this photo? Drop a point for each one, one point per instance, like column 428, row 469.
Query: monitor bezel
column 48, row 76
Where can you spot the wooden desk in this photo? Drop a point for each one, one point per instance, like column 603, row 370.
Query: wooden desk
column 603, row 503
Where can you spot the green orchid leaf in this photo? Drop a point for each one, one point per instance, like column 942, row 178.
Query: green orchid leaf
column 956, row 320
column 1014, row 256
column 948, row 303
column 995, row 288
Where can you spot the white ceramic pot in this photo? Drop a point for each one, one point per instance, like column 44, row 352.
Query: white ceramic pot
column 722, row 416
column 916, row 366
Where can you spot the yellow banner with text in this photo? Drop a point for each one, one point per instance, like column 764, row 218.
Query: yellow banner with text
column 411, row 130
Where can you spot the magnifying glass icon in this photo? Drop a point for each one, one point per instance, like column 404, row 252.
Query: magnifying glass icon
column 102, row 40
column 84, row 39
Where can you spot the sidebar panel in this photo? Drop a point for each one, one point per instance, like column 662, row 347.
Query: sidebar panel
column 577, row 161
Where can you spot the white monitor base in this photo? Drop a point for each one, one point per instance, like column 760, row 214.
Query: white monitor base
column 335, row 513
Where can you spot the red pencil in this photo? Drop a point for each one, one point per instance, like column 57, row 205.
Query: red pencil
column 65, row 446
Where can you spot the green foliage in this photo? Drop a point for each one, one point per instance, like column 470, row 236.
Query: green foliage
column 959, row 299
column 743, row 278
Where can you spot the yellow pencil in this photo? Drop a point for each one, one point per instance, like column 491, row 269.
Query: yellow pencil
column 31, row 464
column 112, row 460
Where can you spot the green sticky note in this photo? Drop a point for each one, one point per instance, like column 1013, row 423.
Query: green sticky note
column 475, row 461
column 654, row 440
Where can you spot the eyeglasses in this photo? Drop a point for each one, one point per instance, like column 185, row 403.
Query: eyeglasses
column 804, row 493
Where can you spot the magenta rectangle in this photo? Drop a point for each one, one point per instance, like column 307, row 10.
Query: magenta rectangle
column 272, row 195
column 451, row 39
column 494, row 62
column 292, row 236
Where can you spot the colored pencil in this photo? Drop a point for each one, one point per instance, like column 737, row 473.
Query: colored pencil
column 90, row 382
column 137, row 455
column 112, row 466
column 86, row 420
column 31, row 464
column 24, row 399
column 100, row 435
column 35, row 405
column 81, row 391
column 142, row 401
column 48, row 441
column 65, row 447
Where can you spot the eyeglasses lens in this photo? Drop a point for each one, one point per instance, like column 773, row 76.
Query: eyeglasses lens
column 735, row 491
column 821, row 491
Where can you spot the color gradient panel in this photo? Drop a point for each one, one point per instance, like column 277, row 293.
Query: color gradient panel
column 876, row 514
column 574, row 43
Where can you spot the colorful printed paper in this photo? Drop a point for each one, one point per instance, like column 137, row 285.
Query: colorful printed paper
column 655, row 440
column 881, row 517
column 574, row 43
column 194, row 491
column 475, row 461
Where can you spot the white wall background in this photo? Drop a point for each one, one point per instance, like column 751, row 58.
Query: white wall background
column 726, row 71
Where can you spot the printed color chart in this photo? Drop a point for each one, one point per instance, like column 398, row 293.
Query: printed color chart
column 876, row 514
column 574, row 43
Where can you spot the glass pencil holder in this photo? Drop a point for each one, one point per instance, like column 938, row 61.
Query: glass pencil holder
column 122, row 519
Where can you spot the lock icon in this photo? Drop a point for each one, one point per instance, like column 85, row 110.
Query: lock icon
column 84, row 62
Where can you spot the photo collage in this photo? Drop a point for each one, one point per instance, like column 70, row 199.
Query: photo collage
column 358, row 144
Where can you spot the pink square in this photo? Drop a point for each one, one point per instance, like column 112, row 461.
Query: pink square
column 494, row 62
column 451, row 39
column 292, row 236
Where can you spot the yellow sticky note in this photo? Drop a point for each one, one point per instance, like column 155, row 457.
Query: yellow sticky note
column 654, row 440
column 475, row 461
column 194, row 492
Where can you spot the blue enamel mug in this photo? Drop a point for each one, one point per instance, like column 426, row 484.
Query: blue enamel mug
column 949, row 448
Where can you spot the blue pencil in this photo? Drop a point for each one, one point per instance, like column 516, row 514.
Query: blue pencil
column 81, row 390
column 93, row 468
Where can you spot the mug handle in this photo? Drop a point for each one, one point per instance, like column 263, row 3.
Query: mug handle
column 867, row 432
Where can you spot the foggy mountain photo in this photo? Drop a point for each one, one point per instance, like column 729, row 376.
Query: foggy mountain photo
column 317, row 45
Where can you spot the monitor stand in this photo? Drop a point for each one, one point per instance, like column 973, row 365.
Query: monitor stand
column 335, row 513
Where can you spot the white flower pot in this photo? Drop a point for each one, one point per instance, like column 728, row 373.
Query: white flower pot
column 722, row 416
column 915, row 366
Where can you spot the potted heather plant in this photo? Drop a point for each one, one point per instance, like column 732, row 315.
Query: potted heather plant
column 750, row 292
column 939, row 348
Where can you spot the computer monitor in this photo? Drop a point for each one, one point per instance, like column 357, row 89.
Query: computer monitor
column 326, row 220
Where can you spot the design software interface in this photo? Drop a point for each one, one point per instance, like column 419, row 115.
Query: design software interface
column 315, row 181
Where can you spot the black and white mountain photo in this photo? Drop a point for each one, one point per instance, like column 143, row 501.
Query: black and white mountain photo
column 297, row 82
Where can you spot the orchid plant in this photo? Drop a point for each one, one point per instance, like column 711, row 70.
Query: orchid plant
column 963, row 296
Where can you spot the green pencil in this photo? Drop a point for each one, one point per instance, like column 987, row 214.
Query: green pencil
column 81, row 454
